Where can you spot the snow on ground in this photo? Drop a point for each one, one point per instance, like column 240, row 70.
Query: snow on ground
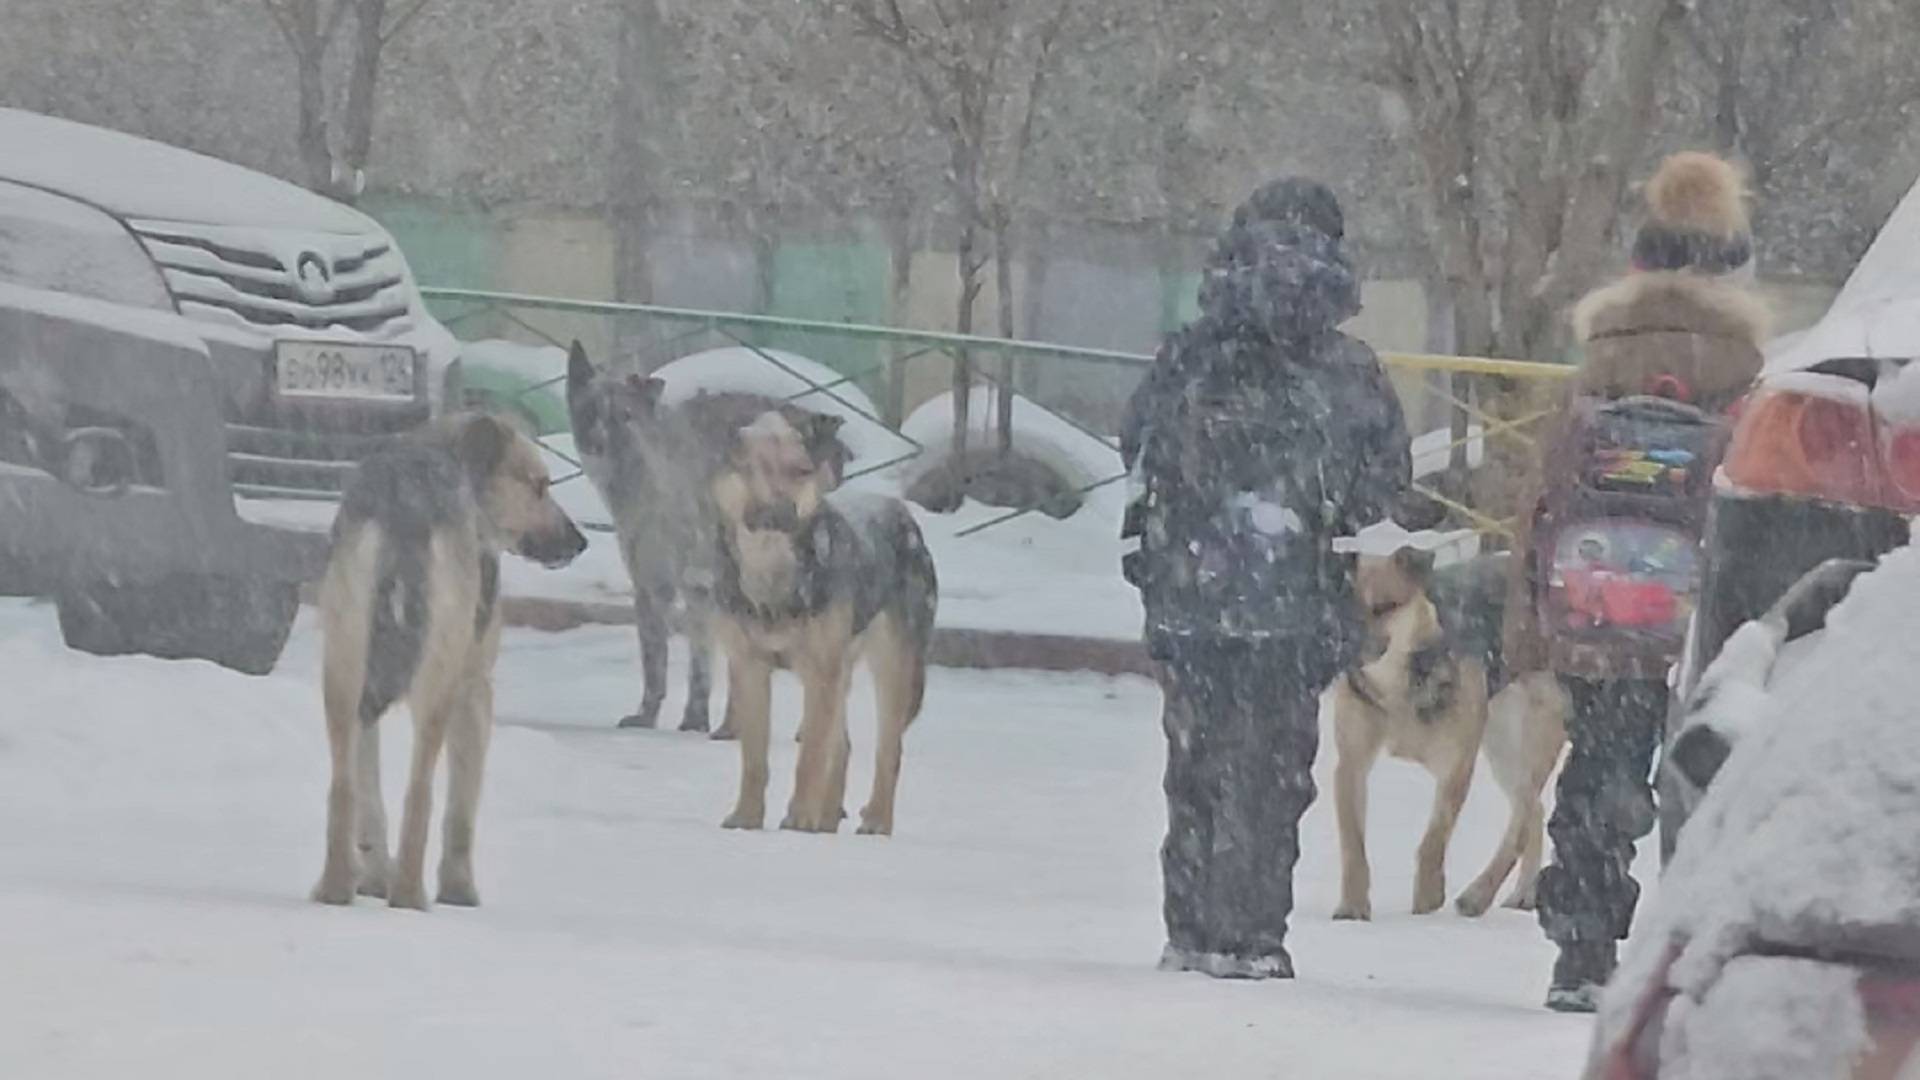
column 160, row 824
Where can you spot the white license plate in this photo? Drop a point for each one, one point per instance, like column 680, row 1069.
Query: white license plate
column 328, row 369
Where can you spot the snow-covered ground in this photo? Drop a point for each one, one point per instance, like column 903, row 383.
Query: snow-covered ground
column 160, row 824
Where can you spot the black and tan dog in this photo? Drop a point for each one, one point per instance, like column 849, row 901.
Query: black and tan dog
column 652, row 465
column 409, row 611
column 1421, row 694
column 815, row 582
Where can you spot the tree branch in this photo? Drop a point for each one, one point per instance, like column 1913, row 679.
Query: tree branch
column 284, row 21
column 400, row 23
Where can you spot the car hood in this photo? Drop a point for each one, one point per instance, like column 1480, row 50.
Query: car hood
column 139, row 178
column 1807, row 838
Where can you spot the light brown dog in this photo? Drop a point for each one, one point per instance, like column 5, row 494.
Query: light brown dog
column 815, row 580
column 1422, row 698
column 409, row 611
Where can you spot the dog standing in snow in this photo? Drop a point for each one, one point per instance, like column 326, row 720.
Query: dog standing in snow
column 409, row 611
column 651, row 465
column 1421, row 694
column 816, row 582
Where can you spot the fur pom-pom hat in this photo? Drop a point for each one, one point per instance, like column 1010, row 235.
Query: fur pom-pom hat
column 1696, row 218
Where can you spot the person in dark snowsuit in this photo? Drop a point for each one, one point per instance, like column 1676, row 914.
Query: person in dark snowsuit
column 1260, row 434
column 1682, row 316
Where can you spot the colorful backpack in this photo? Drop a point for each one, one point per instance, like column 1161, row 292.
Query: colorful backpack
column 1616, row 550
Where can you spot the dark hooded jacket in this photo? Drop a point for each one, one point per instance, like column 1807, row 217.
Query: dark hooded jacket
column 1260, row 434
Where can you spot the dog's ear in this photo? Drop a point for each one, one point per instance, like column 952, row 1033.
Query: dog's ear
column 578, row 377
column 1415, row 563
column 821, row 435
column 646, row 392
column 482, row 446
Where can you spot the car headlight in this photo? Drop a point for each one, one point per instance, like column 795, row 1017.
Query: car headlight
column 54, row 243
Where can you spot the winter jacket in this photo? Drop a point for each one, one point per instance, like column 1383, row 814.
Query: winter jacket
column 1260, row 434
column 1702, row 330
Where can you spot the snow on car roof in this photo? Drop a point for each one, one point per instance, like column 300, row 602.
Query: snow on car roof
column 1810, row 835
column 135, row 177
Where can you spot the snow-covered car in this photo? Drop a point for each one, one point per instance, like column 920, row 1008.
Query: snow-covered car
column 186, row 344
column 1785, row 938
column 1824, row 461
column 1728, row 698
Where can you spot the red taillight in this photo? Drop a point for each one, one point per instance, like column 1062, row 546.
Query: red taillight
column 1818, row 444
column 1902, row 460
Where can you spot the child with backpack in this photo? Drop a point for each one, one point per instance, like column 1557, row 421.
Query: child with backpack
column 1605, row 566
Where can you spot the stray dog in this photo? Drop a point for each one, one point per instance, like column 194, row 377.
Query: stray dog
column 409, row 611
column 814, row 583
column 1421, row 694
column 652, row 466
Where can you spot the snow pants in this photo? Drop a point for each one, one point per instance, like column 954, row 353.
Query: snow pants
column 1242, row 726
column 1603, row 805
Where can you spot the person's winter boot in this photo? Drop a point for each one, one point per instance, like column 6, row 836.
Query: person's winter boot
column 1579, row 975
column 1275, row 965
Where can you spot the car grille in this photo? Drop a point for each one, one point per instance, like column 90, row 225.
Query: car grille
column 309, row 454
column 252, row 278
column 264, row 281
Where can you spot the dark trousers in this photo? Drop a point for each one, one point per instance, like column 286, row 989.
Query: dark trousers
column 1604, row 804
column 1242, row 729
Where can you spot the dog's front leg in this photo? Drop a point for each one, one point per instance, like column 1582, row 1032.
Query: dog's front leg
column 650, row 622
column 699, row 672
column 749, row 705
column 1451, row 781
column 1350, row 806
column 817, row 804
column 471, row 730
column 1357, row 739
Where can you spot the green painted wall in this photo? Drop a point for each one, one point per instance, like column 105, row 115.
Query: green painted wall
column 1179, row 299
column 845, row 282
column 449, row 246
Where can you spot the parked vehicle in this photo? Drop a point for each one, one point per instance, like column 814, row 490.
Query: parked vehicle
column 185, row 345
column 1785, row 938
column 1824, row 461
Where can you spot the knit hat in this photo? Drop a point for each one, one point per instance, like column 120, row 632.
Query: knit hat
column 1696, row 218
column 1294, row 201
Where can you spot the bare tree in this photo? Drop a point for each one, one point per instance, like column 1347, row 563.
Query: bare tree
column 1790, row 86
column 980, row 69
column 640, row 109
column 1527, row 117
column 336, row 165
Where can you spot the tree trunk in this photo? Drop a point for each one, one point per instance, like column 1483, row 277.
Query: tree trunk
column 899, row 226
column 969, row 267
column 640, row 108
column 370, row 17
column 1003, row 288
column 309, row 55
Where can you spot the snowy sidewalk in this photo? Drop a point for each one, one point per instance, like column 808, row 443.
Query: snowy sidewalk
column 160, row 824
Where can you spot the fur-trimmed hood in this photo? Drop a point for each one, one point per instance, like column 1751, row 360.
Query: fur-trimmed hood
column 1673, row 302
